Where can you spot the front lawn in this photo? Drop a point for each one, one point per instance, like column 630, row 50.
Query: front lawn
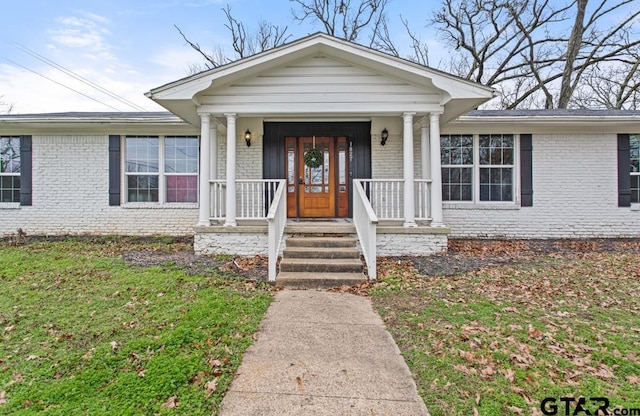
column 81, row 332
column 499, row 340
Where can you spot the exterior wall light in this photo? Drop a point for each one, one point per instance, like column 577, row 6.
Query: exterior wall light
column 384, row 135
column 247, row 137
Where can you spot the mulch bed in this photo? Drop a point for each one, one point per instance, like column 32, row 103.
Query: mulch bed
column 466, row 255
column 463, row 255
column 249, row 268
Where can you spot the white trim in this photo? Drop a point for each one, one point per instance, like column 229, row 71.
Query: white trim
column 13, row 174
column 408, row 161
column 316, row 43
column 475, row 201
column 157, row 205
column 425, row 151
column 10, row 205
column 230, row 211
column 480, row 206
column 204, row 190
column 161, row 174
column 437, row 219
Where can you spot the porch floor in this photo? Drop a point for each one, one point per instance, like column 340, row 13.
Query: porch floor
column 249, row 237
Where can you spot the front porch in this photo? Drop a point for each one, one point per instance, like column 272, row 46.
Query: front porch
column 262, row 227
column 370, row 122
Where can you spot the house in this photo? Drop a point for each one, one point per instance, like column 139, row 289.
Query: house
column 323, row 128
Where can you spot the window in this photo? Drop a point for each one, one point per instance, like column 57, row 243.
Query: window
column 457, row 167
column 496, row 167
column 175, row 179
column 634, row 153
column 478, row 168
column 10, row 169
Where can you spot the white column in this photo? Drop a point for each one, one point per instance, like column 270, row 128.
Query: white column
column 230, row 220
column 409, row 189
column 436, row 173
column 425, row 162
column 214, row 149
column 205, row 188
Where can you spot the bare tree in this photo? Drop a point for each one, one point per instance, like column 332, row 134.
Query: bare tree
column 4, row 107
column 419, row 47
column 611, row 86
column 244, row 43
column 523, row 47
column 345, row 19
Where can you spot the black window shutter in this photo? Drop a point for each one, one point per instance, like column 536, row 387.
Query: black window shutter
column 26, row 171
column 624, row 171
column 526, row 170
column 114, row 170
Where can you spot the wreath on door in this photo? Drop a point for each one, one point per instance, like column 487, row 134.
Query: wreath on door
column 313, row 158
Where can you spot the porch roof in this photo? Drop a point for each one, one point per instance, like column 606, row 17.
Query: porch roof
column 454, row 95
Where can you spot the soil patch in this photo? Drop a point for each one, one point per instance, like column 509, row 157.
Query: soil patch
column 466, row 255
column 463, row 255
column 249, row 268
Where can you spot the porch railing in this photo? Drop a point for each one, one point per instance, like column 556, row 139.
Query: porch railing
column 276, row 219
column 253, row 197
column 365, row 221
column 386, row 197
column 423, row 199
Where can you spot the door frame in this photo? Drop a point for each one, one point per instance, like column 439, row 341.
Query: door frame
column 358, row 134
column 335, row 191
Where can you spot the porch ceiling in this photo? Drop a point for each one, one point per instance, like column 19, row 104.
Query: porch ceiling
column 407, row 86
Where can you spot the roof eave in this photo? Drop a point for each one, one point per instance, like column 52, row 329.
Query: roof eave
column 188, row 88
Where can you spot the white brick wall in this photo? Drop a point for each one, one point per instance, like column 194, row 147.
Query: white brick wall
column 241, row 244
column 410, row 244
column 574, row 182
column 574, row 195
column 71, row 195
column 248, row 159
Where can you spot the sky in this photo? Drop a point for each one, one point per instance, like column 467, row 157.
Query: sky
column 128, row 47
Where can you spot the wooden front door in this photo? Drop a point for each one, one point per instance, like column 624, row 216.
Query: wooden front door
column 322, row 191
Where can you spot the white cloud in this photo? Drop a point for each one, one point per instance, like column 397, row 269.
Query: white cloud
column 80, row 44
column 31, row 93
column 88, row 32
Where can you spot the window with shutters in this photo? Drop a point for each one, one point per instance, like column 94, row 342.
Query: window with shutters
column 10, row 169
column 634, row 154
column 161, row 169
column 478, row 168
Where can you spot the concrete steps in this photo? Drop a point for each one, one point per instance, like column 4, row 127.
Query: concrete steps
column 321, row 253
column 299, row 280
column 320, row 256
column 316, row 265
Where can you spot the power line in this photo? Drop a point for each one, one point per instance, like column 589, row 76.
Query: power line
column 61, row 84
column 78, row 77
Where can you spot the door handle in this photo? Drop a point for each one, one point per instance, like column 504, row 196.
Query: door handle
column 300, row 181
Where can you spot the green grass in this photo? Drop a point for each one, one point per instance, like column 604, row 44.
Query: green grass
column 500, row 340
column 83, row 333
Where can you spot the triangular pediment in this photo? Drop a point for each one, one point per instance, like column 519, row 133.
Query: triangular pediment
column 320, row 75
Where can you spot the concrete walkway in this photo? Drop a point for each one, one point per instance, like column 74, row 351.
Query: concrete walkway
column 321, row 353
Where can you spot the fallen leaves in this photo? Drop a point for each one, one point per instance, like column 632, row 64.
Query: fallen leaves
column 633, row 379
column 170, row 403
column 211, row 387
column 564, row 321
column 3, row 397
